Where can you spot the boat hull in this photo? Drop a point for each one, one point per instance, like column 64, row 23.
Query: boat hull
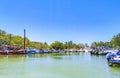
column 12, row 52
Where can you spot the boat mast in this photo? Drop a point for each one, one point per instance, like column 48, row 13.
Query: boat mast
column 24, row 39
column 10, row 39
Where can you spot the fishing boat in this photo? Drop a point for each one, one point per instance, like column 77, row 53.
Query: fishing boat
column 9, row 49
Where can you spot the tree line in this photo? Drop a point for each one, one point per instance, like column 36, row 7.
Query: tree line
column 113, row 43
column 10, row 39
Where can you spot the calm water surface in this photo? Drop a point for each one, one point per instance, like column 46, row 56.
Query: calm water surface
column 80, row 65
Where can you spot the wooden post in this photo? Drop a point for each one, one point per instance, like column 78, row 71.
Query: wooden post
column 24, row 39
column 10, row 39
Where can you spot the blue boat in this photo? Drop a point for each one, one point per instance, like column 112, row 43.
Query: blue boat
column 33, row 51
column 113, row 58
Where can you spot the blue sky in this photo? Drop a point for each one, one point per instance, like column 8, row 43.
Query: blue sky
column 82, row 21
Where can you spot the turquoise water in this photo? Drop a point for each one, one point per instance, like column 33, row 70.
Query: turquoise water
column 81, row 65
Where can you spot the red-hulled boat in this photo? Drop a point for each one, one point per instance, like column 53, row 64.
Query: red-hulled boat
column 6, row 52
column 8, row 49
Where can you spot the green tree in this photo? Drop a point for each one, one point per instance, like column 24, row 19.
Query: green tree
column 108, row 44
column 94, row 45
column 2, row 32
column 57, row 45
column 101, row 43
column 18, row 41
column 115, row 42
column 45, row 45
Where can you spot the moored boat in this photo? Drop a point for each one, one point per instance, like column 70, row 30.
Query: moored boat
column 113, row 58
column 9, row 49
column 12, row 52
column 33, row 51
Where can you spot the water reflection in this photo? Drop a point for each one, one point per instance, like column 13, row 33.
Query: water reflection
column 13, row 58
column 56, row 65
column 115, row 71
